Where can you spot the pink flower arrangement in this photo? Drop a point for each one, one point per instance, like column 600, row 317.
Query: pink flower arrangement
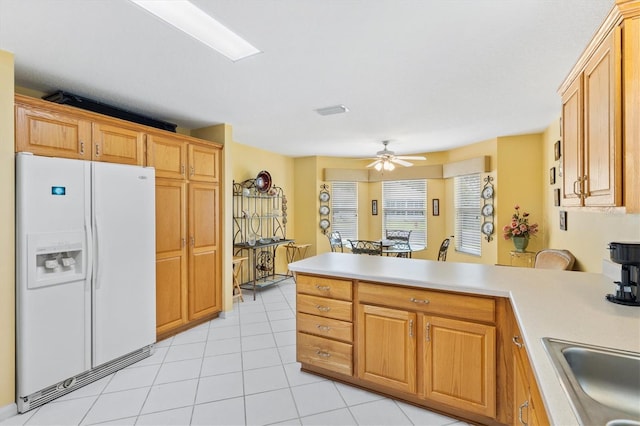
column 519, row 226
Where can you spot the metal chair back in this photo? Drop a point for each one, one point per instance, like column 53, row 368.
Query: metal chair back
column 335, row 240
column 397, row 234
column 366, row 247
column 442, row 254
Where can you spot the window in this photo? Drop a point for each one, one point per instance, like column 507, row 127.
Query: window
column 468, row 205
column 404, row 207
column 344, row 209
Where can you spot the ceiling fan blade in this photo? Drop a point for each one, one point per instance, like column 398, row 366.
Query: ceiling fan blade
column 401, row 162
column 374, row 163
column 411, row 157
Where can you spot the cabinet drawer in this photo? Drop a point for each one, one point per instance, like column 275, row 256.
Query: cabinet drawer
column 325, row 287
column 325, row 353
column 326, row 327
column 322, row 306
column 434, row 302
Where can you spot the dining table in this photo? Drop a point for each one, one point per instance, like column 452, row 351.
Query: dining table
column 400, row 248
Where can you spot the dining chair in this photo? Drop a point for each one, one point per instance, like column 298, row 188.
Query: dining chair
column 444, row 246
column 366, row 247
column 554, row 259
column 397, row 234
column 335, row 240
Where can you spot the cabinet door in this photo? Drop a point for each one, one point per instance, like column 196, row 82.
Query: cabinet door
column 521, row 403
column 204, row 254
column 171, row 255
column 602, row 125
column 52, row 134
column 115, row 144
column 460, row 364
column 167, row 155
column 572, row 144
column 387, row 347
column 631, row 109
column 203, row 163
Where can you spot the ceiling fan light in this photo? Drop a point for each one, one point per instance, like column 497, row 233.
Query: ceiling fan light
column 378, row 166
column 388, row 165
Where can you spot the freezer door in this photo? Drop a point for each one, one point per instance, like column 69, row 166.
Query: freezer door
column 53, row 292
column 124, row 266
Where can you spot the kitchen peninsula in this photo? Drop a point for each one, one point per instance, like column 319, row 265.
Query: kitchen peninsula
column 445, row 306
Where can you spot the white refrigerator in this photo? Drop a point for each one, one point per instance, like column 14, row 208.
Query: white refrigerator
column 85, row 272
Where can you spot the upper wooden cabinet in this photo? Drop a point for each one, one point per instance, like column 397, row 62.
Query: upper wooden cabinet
column 600, row 116
column 52, row 133
column 592, row 131
column 49, row 129
column 179, row 157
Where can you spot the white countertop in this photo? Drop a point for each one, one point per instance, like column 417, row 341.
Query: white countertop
column 547, row 303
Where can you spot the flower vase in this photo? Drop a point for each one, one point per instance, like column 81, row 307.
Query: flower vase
column 520, row 243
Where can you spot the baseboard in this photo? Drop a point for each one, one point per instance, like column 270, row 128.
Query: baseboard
column 8, row 411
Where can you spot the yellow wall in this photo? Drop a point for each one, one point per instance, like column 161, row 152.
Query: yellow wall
column 519, row 174
column 7, row 230
column 588, row 230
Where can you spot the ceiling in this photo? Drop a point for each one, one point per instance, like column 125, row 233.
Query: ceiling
column 429, row 75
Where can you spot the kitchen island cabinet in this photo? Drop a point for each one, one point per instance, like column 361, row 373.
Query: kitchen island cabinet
column 565, row 305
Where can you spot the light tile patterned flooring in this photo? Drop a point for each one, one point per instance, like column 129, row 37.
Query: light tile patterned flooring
column 230, row 371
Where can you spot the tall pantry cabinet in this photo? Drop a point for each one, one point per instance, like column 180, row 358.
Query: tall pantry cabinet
column 188, row 242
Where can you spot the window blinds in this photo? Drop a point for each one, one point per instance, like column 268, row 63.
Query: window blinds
column 404, row 207
column 344, row 209
column 467, row 205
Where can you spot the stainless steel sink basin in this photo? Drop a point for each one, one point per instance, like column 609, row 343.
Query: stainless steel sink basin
column 603, row 384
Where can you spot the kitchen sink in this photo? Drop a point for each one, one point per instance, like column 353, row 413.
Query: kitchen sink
column 603, row 384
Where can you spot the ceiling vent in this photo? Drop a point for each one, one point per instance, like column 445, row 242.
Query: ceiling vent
column 336, row 109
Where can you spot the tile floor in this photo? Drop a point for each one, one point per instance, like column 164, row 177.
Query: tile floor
column 239, row 370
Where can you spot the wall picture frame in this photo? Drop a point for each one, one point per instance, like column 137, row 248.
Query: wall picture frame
column 374, row 207
column 556, row 197
column 552, row 175
column 563, row 220
column 435, row 206
column 557, row 153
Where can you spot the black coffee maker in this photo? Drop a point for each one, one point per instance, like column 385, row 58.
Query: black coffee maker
column 627, row 255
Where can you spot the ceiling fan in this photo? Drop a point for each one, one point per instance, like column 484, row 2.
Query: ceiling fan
column 385, row 159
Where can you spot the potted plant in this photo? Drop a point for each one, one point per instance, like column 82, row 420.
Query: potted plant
column 520, row 230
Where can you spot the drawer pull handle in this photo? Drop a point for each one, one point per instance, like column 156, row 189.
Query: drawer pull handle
column 427, row 332
column 323, row 354
column 523, row 405
column 323, row 287
column 323, row 327
column 97, row 150
column 323, row 308
column 516, row 342
column 423, row 301
column 410, row 328
column 81, row 147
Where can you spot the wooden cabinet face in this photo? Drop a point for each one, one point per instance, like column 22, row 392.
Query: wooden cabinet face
column 52, row 134
column 387, row 347
column 460, row 364
column 117, row 145
column 167, row 155
column 521, row 393
column 171, row 293
column 171, row 255
column 572, row 144
column 602, row 133
column 204, row 286
column 203, row 164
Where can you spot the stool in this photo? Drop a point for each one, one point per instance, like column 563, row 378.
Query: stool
column 237, row 267
column 295, row 250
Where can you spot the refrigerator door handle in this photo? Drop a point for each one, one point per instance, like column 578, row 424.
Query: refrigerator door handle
column 96, row 242
column 89, row 245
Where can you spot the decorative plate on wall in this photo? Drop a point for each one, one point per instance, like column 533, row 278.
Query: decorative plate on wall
column 263, row 181
column 325, row 196
column 325, row 224
column 324, row 210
